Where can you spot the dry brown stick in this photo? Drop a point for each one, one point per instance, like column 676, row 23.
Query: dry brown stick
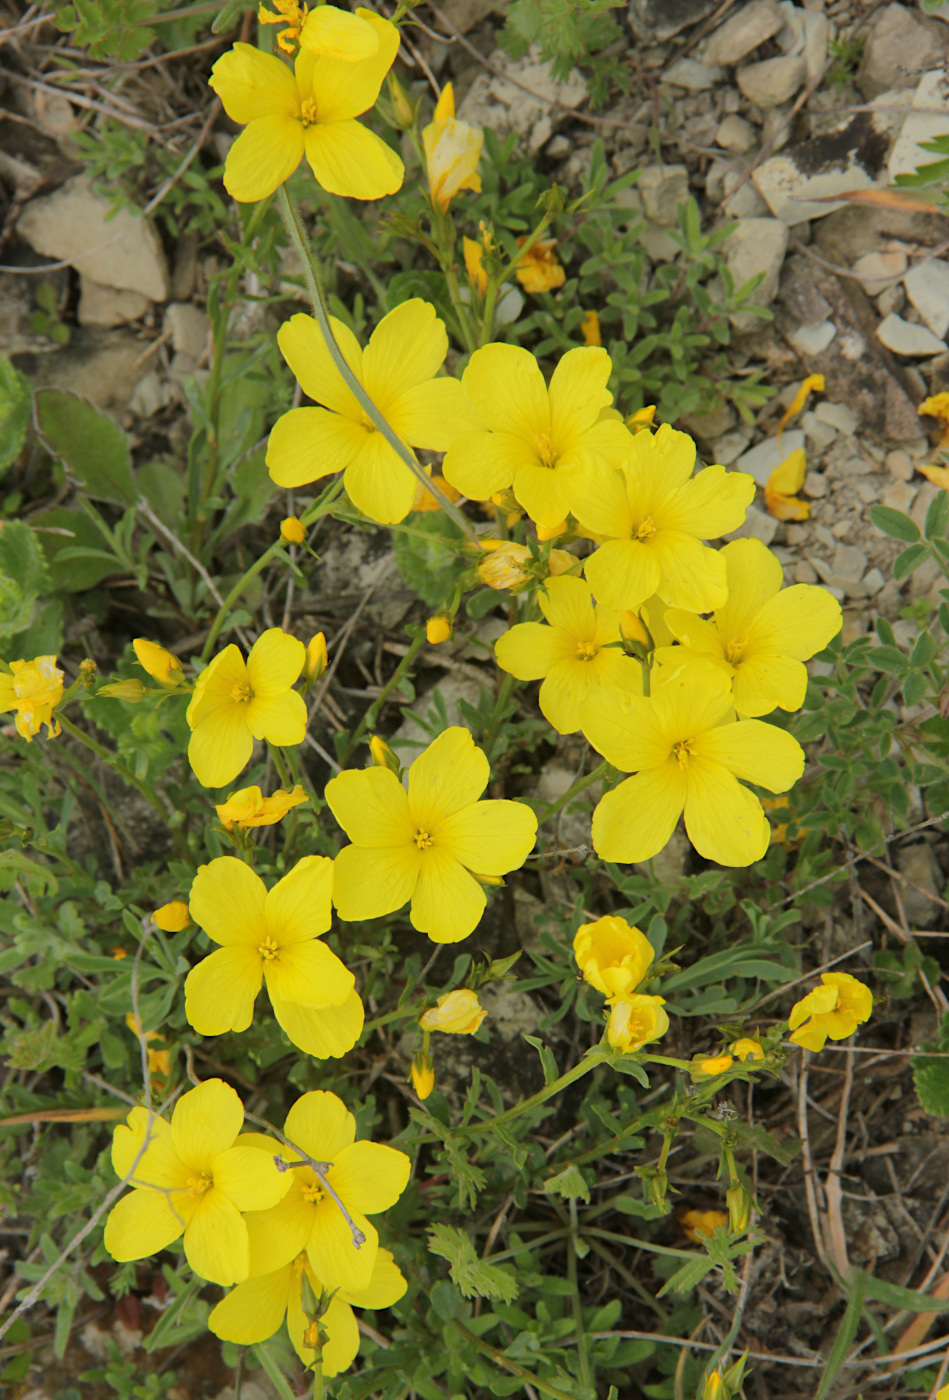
column 833, row 1190
column 811, row 1182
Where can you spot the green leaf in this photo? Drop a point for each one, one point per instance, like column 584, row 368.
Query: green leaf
column 427, row 566
column 910, row 559
column 894, row 523
column 76, row 575
column 937, row 516
column 15, row 400
column 845, row 1333
column 92, row 445
column 931, row 1080
column 23, row 577
column 472, row 1276
column 569, row 1184
column 547, row 1061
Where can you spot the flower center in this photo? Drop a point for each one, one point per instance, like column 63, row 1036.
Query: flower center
column 313, row 1193
column 308, row 115
column 367, row 423
column 545, row 449
column 733, row 650
column 242, row 694
column 586, row 650
column 268, row 950
column 423, row 840
column 647, row 528
column 683, row 753
column 197, row 1185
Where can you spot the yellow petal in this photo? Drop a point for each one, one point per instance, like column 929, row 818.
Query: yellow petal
column 448, row 902
column 205, row 1123
column 754, row 577
column 635, row 820
column 724, row 821
column 278, row 1235
column 813, row 381
column 479, row 463
column 220, row 746
column 309, row 443
column 378, row 483
column 711, row 504
column 491, row 837
column 431, row 415
column 507, row 391
column 339, row 34
column 385, row 1287
column 333, row 1256
column 447, row 776
column 328, row 1032
column 625, row 729
column 369, row 1176
column 254, row 1310
column 694, row 632
column 216, row 1240
column 264, row 155
column 566, row 602
column 220, row 991
column 407, row 348
column 691, row 575
column 445, row 106
column 694, row 698
column 228, row 900
column 939, row 476
column 141, row 1224
column 342, row 1345
column 788, row 478
column 128, row 1138
column 542, row 492
column 600, row 501
column 624, row 573
column 755, row 752
column 371, row 806
column 252, row 84
column 530, row 650
column 309, row 974
column 275, row 662
column 768, row 681
column 349, row 159
column 321, row 1125
column 299, row 906
column 305, row 351
column 343, row 89
column 577, row 393
column 799, row 621
column 371, row 881
column 248, row 1178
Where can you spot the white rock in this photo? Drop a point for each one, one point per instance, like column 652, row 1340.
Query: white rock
column 927, row 286
column 746, row 202
column 819, row 435
column 688, row 73
column 899, row 464
column 815, row 485
column 837, row 415
column 932, row 93
column 735, row 134
column 107, row 306
column 812, row 339
column 757, row 525
column 657, row 243
column 744, row 32
column 805, row 32
column 772, row 81
column 72, row 225
column 792, row 195
column 662, row 189
column 849, row 562
column 727, row 449
column 189, row 328
column 905, row 338
column 873, row 581
column 805, row 572
column 891, row 299
column 151, row 393
column 764, row 457
column 877, row 270
column 756, row 246
column 495, row 100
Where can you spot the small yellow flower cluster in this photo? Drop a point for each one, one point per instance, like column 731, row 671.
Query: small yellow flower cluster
column 32, row 689
column 615, row 958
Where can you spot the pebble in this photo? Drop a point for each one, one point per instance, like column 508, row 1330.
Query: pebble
column 735, row 134
column 850, row 562
column 891, row 300
column 837, row 415
column 899, row 496
column 662, row 189
column 744, row 32
column 757, row 525
column 867, row 493
column 898, row 49
column 906, row 338
column 877, row 270
column 842, row 529
column 932, row 96
column 899, row 464
column 762, row 459
column 108, row 306
column 874, row 581
column 805, row 572
column 796, row 183
column 773, row 81
column 815, row 485
column 811, row 340
column 796, row 535
column 824, row 536
column 855, row 466
column 728, row 448
column 819, row 435
column 756, row 246
column 927, row 286
column 694, row 76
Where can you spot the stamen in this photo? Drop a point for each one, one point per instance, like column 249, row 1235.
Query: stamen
column 647, row 528
column 586, row 650
column 423, row 840
column 268, row 950
column 308, row 112
column 242, row 693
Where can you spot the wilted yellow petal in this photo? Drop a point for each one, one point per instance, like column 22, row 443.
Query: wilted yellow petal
column 813, row 381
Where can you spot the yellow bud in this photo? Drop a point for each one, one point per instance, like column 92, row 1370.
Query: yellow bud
column 455, row 1013
column 716, row 1064
column 632, row 629
column 438, row 629
column 739, row 1207
column 639, row 421
column 748, row 1049
column 714, row 1387
column 87, row 670
column 382, row 755
column 292, row 530
column 402, row 105
column 159, row 663
column 423, row 1075
column 445, row 106
column 173, row 917
column 125, row 690
column 316, row 659
column 504, row 566
column 119, row 953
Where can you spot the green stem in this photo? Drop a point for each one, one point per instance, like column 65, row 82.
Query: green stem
column 586, row 1372
column 487, row 319
column 318, row 1378
column 390, row 1016
column 503, row 695
column 500, row 1359
column 372, row 714
column 279, row 762
column 535, row 1100
column 315, row 288
column 459, row 307
column 274, row 1372
column 552, row 808
column 525, row 248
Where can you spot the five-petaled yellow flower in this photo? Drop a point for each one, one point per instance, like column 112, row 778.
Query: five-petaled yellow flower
column 273, row 937
column 236, row 702
column 576, row 654
column 613, row 955
column 635, row 1020
column 33, row 690
column 397, row 369
column 249, row 807
column 686, row 757
column 534, row 438
column 195, row 1177
column 762, row 635
column 367, row 1178
column 255, row 1310
column 836, row 1010
column 656, row 516
column 455, row 1013
column 452, row 151
column 424, row 844
column 309, row 110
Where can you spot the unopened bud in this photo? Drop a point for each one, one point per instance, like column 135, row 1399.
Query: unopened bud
column 439, row 629
column 87, row 671
column 632, row 630
column 404, row 109
column 316, row 660
column 738, row 1202
column 382, row 755
column 423, row 1075
column 173, row 917
column 160, row 664
column 291, row 530
column 639, row 421
column 131, row 690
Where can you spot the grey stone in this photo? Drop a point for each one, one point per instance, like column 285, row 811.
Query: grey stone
column 757, row 525
column 932, row 97
column 688, row 73
column 877, row 270
column 927, row 286
column 849, row 562
column 735, row 134
column 899, row 464
column 874, row 581
column 658, row 20
column 811, row 340
column 189, row 328
column 108, row 306
column 907, row 338
column 74, row 225
column 891, row 300
column 815, row 485
column 805, row 572
column 727, row 449
column 768, row 454
column 756, row 246
column 151, row 393
column 837, row 415
column 662, row 189
column 520, row 96
column 772, row 81
column 833, row 163
column 799, row 293
column 744, row 32
column 819, row 435
column 746, row 202
column 898, row 50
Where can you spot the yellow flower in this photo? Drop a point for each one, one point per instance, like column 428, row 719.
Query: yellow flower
column 382, row 755
column 249, row 807
column 696, row 1223
column 159, row 663
column 763, row 634
column 236, row 702
column 590, row 328
column 538, row 269
column 613, row 955
column 836, row 1009
column 397, row 369
column 173, row 917
column 255, row 1310
column 474, row 253
column 438, row 629
column 327, row 30
column 715, row 1064
column 159, row 1061
column 292, row 530
column 509, row 565
column 425, row 501
column 748, row 1049
column 423, row 845
column 536, row 438
column 780, row 494
column 939, row 476
column 455, row 1013
column 34, row 689
column 273, row 937
column 655, row 515
column 316, row 659
column 937, row 406
column 635, row 1020
column 195, row 1178
column 686, row 756
column 452, row 152
column 307, row 111
column 641, row 420
column 366, row 1176
column 813, row 381
column 572, row 655
column 422, row 1075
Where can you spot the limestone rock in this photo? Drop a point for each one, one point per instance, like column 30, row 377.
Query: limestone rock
column 761, row 460
column 877, row 270
column 919, row 866
column 735, row 134
column 773, row 81
column 927, row 286
column 659, row 20
column 898, row 50
column 906, row 338
column 495, row 100
column 107, row 306
column 810, row 340
column 932, row 97
column 756, row 246
column 122, row 252
column 688, row 73
column 834, row 163
column 743, row 32
column 746, row 202
column 662, row 189
column 839, row 416
column 757, row 525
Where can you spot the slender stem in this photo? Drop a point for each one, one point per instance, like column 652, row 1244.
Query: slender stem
column 460, row 309
column 372, row 714
column 586, row 1372
column 500, row 1359
column 391, row 1016
column 552, row 808
column 535, row 1100
column 280, row 763
column 314, row 286
column 487, row 320
column 279, row 1380
column 318, row 1378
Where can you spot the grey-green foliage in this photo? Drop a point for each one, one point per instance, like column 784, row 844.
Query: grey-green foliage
column 14, row 413
column 30, row 624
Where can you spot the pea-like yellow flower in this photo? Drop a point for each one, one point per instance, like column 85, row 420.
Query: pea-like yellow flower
column 656, row 516
column 172, row 917
column 195, row 1177
column 309, row 110
column 422, row 1074
column 291, row 530
column 509, row 566
column 836, row 1010
column 255, row 1310
column 590, row 328
column 576, row 654
column 236, row 702
column 686, row 757
column 780, row 494
column 747, row 1049
column 160, row 664
column 455, row 1013
column 762, row 635
column 397, row 369
column 33, row 689
column 438, row 629
column 366, row 1177
column 452, row 151
column 635, row 1020
column 249, row 807
column 424, row 844
column 613, row 955
column 538, row 269
column 696, row 1223
column 534, row 438
column 273, row 937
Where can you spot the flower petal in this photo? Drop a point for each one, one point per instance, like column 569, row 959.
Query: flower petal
column 490, row 837
column 371, row 806
column 754, row 576
column 264, row 155
column 692, row 699
column 305, row 351
column 339, row 34
column 635, row 820
column 756, row 752
column 711, row 504
column 767, row 681
column 564, row 692
column 609, row 438
column 386, row 1286
column 253, row 84
column 371, row 881
column 299, row 906
column 407, row 348
column 599, row 499
column 696, row 633
column 379, row 483
column 275, row 662
column 724, row 821
column 128, row 1138
column 309, row 443
column 249, row 1179
column 657, row 466
column 624, row 573
column 507, row 391
column 431, row 415
column 342, row 1345
column 216, row 1243
column 530, row 650
column 328, row 1032
column 369, row 1176
column 321, row 1125
column 448, row 775
column 348, row 159
column 448, row 902
column 333, row 1257
column 221, row 990
column 344, row 89
column 227, row 900
column 798, row 621
column 205, row 1123
column 278, row 1235
column 541, row 491
column 309, row 974
column 481, row 463
column 625, row 729
column 215, row 684
column 221, row 746
column 254, row 1310
column 567, row 602
column 577, row 393
column 692, row 576
column 142, row 1223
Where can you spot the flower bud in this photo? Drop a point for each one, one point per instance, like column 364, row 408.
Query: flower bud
column 173, row 917
column 131, row 690
column 404, row 109
column 439, row 629
column 635, row 1020
column 423, row 1075
column 715, row 1064
column 291, row 530
column 383, row 757
column 159, row 663
column 455, row 1013
column 87, row 671
column 639, row 421
column 738, row 1202
column 632, row 629
column 504, row 566
column 316, row 660
column 748, row 1049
